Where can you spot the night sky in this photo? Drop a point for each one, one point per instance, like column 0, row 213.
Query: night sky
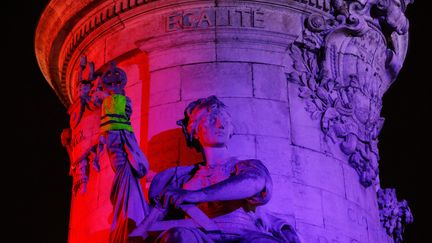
column 36, row 187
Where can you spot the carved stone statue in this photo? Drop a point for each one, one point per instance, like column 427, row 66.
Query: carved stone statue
column 227, row 190
column 394, row 214
column 126, row 157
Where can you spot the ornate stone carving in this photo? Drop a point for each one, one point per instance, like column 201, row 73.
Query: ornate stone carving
column 80, row 156
column 394, row 214
column 343, row 66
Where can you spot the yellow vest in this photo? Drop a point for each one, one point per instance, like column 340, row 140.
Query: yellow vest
column 113, row 115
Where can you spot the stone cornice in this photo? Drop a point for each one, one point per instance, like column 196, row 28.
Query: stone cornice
column 64, row 25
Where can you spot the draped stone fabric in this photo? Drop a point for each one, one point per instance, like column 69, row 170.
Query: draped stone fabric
column 236, row 219
column 127, row 198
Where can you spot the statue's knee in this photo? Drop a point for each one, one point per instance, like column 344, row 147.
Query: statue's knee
column 177, row 235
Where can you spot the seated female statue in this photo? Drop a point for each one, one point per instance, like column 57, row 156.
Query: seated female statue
column 226, row 189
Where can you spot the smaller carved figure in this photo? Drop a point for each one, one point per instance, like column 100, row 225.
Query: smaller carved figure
column 394, row 214
column 79, row 167
column 127, row 160
column 391, row 14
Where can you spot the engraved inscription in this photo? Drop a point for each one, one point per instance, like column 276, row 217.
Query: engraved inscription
column 205, row 18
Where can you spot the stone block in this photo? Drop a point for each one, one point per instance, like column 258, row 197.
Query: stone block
column 251, row 45
column 117, row 44
column 268, row 117
column 379, row 236
column 316, row 234
column 307, row 202
column 164, row 117
column 133, row 73
column 180, row 49
column 366, row 198
column 269, row 82
column 242, row 146
column 317, row 170
column 276, row 154
column 282, row 200
column 220, row 79
column 165, row 86
column 306, row 132
column 344, row 216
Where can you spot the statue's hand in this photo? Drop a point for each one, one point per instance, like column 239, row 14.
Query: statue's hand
column 177, row 197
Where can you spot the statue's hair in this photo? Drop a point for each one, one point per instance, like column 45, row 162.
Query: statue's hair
column 189, row 125
column 116, row 71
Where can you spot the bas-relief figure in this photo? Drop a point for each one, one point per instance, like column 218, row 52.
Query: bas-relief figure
column 79, row 166
column 227, row 190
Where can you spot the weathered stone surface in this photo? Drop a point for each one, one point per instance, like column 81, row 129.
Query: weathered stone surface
column 165, row 86
column 344, row 216
column 275, row 153
column 317, row 170
column 316, row 234
column 356, row 193
column 199, row 45
column 221, row 79
column 308, row 204
column 164, row 118
column 269, row 117
column 305, row 131
column 282, row 201
column 269, row 82
column 242, row 146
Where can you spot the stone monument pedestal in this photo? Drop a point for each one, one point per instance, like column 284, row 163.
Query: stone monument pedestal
column 303, row 81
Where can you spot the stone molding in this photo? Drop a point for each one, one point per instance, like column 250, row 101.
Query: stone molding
column 78, row 24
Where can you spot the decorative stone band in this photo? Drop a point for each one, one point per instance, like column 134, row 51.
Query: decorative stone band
column 120, row 7
column 72, row 33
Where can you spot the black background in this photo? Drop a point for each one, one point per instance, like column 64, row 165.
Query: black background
column 36, row 185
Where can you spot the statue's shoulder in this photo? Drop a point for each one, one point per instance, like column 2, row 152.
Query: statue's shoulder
column 250, row 163
column 173, row 177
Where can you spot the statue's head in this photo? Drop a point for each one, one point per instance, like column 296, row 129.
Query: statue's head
column 114, row 80
column 207, row 123
column 393, row 14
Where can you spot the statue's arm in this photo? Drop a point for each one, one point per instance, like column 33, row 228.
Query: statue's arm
column 251, row 181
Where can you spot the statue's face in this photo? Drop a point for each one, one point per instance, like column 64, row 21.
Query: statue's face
column 113, row 83
column 214, row 128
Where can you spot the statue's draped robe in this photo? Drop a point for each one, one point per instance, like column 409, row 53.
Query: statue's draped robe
column 237, row 219
column 129, row 165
